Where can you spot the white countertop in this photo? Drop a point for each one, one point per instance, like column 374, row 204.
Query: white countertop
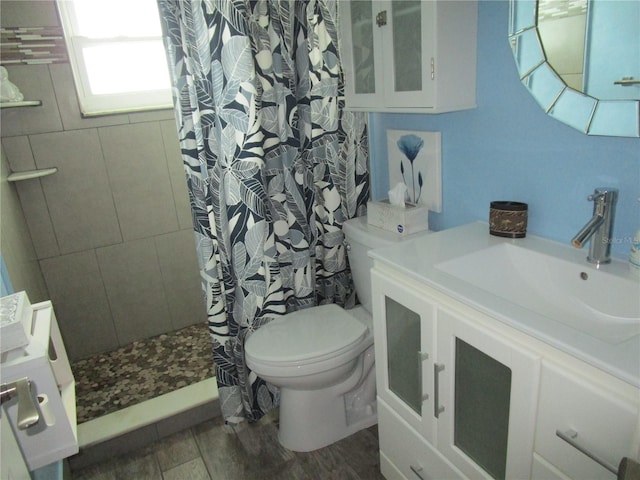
column 418, row 258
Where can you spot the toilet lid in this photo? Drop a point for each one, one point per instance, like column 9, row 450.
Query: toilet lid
column 306, row 336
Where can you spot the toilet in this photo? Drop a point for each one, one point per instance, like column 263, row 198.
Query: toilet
column 322, row 357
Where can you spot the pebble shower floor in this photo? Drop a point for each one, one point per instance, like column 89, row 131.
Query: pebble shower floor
column 142, row 370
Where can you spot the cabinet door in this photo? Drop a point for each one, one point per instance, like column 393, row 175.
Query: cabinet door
column 486, row 394
column 360, row 51
column 408, row 54
column 403, row 325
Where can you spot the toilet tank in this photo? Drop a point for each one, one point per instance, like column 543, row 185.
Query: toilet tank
column 360, row 237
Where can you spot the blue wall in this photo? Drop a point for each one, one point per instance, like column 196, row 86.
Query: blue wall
column 5, row 282
column 508, row 149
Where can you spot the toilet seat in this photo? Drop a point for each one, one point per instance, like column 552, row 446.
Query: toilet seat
column 306, row 337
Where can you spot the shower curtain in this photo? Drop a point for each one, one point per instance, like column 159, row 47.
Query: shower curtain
column 274, row 166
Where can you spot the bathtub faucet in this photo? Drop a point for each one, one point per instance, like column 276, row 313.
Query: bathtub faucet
column 599, row 228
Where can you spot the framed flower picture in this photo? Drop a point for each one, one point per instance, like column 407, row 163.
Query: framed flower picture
column 415, row 159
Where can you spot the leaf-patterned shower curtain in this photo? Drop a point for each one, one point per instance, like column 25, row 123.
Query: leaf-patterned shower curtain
column 274, row 167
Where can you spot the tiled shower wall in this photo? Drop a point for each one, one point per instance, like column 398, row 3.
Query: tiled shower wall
column 112, row 229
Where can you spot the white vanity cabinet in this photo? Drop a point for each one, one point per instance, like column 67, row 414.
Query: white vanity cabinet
column 462, row 395
column 409, row 55
column 467, row 393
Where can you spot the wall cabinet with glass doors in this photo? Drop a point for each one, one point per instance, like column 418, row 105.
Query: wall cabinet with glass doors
column 461, row 395
column 409, row 55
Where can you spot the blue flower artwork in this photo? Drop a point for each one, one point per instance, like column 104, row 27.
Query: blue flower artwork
column 411, row 145
column 414, row 159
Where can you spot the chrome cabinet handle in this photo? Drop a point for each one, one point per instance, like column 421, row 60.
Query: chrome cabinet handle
column 422, row 356
column 570, row 437
column 627, row 82
column 437, row 408
column 417, row 470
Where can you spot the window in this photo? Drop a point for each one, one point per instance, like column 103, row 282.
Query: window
column 117, row 55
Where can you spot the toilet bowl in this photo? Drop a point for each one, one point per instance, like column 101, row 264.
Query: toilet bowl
column 322, row 358
column 316, row 356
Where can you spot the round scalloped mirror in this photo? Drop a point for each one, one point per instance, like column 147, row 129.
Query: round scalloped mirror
column 592, row 94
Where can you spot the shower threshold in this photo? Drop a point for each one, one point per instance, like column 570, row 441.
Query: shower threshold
column 150, row 412
column 140, row 426
column 139, row 393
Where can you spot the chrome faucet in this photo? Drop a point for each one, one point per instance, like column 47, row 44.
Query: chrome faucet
column 599, row 228
column 27, row 412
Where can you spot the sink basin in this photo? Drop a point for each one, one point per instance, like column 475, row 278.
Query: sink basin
column 590, row 300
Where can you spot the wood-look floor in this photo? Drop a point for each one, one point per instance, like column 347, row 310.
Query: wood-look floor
column 213, row 451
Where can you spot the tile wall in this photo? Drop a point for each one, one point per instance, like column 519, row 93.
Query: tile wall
column 16, row 248
column 112, row 229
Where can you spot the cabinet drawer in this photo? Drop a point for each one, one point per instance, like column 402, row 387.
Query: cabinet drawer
column 543, row 470
column 408, row 452
column 599, row 419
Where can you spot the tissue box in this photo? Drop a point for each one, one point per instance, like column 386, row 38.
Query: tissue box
column 15, row 321
column 404, row 221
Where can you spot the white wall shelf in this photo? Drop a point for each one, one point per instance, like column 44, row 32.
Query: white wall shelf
column 30, row 174
column 25, row 103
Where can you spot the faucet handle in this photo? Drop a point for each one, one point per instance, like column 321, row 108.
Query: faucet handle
column 27, row 412
column 603, row 193
column 595, row 196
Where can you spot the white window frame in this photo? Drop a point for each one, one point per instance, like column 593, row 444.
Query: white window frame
column 104, row 104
